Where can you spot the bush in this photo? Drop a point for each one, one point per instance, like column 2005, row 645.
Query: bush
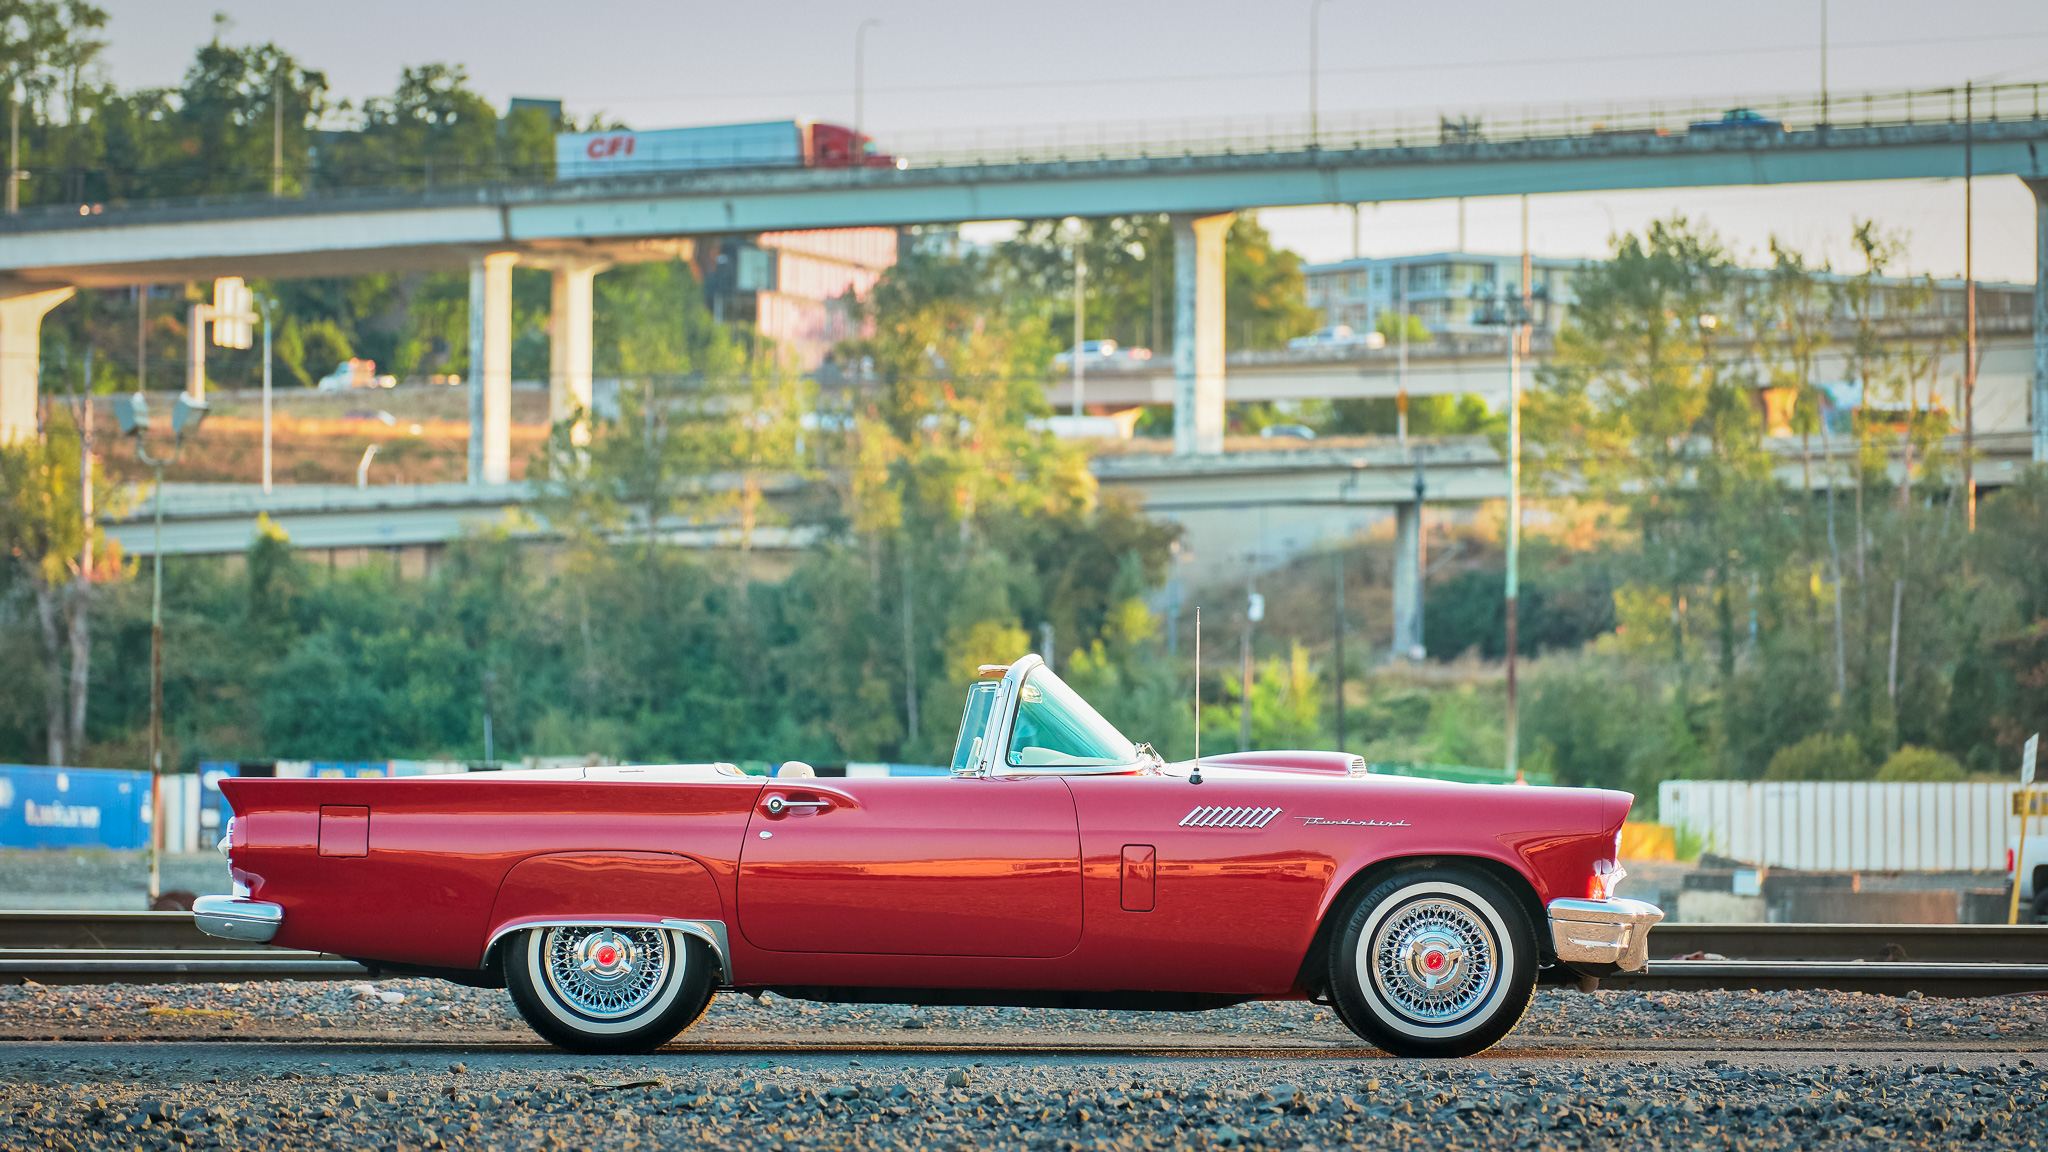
column 1921, row 765
column 1820, row 757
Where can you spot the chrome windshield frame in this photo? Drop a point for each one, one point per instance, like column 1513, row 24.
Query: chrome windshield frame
column 1002, row 724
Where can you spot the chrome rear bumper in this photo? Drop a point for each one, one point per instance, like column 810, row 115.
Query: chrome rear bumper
column 1613, row 935
column 237, row 918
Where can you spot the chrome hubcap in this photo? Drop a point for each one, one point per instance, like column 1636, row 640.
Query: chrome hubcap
column 606, row 973
column 1434, row 960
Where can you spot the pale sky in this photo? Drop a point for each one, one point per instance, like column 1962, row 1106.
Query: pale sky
column 953, row 65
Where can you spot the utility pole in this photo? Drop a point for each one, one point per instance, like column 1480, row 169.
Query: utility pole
column 14, row 152
column 1401, row 356
column 266, row 395
column 1970, row 310
column 1314, row 129
column 1080, row 305
column 1254, row 611
column 860, row 90
column 1823, row 63
column 1338, row 636
column 186, row 416
column 277, row 137
column 1517, row 346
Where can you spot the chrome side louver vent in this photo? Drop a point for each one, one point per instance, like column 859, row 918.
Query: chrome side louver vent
column 1229, row 817
column 1359, row 767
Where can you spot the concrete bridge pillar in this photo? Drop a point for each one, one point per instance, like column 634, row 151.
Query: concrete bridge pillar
column 21, row 335
column 490, row 367
column 1198, row 332
column 1408, row 580
column 2040, row 413
column 569, row 347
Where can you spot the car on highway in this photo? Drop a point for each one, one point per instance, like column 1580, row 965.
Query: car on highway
column 1338, row 336
column 1102, row 353
column 1738, row 120
column 1057, row 864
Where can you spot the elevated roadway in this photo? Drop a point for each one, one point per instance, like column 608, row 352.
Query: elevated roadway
column 351, row 232
column 576, row 228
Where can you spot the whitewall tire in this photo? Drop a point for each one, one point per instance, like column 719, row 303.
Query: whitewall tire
column 1434, row 961
column 595, row 988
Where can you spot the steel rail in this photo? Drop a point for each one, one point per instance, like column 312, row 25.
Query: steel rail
column 90, row 947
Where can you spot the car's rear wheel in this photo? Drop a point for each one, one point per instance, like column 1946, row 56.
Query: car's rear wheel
column 1435, row 961
column 609, row 989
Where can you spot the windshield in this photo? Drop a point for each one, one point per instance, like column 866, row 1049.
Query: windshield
column 1057, row 729
column 973, row 724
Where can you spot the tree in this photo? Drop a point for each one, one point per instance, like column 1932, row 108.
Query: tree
column 1129, row 293
column 58, row 552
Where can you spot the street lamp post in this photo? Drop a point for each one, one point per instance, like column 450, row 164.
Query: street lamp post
column 265, row 305
column 186, row 416
column 860, row 89
column 1314, row 16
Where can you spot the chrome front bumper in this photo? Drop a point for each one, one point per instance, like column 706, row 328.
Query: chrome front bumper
column 1612, row 935
column 237, row 918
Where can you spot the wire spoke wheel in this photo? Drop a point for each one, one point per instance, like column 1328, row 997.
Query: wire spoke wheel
column 1433, row 961
column 1436, row 960
column 606, row 973
column 609, row 988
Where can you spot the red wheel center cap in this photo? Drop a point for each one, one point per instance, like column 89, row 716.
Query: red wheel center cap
column 608, row 955
column 1433, row 961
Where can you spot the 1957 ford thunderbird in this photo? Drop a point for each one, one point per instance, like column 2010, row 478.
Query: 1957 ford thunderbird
column 1058, row 865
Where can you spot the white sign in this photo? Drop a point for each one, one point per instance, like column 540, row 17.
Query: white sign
column 2027, row 760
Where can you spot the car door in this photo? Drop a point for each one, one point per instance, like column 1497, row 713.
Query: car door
column 913, row 866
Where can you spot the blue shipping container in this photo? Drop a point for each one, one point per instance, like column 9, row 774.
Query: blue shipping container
column 72, row 807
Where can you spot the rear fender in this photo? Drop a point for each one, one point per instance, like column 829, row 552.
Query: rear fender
column 657, row 889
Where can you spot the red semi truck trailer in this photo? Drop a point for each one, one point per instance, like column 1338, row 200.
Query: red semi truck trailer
column 768, row 144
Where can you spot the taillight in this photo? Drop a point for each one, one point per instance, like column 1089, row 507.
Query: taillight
column 2012, row 863
column 1606, row 877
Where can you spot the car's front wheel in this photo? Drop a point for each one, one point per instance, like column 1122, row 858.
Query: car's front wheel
column 1435, row 961
column 602, row 989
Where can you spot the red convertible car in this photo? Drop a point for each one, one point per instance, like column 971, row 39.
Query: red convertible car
column 1059, row 865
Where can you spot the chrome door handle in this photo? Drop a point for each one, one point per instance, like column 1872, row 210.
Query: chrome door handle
column 776, row 805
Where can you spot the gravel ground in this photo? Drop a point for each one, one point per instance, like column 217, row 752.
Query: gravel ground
column 75, row 1096
column 433, row 1009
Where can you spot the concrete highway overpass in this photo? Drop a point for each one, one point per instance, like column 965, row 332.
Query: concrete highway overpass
column 576, row 228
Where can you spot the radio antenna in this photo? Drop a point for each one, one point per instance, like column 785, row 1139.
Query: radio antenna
column 1195, row 777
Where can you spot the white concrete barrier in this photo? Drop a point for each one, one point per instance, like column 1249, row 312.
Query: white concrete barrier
column 1854, row 826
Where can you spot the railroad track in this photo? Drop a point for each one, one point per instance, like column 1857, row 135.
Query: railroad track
column 57, row 947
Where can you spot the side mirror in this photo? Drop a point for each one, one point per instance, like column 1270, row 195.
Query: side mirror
column 133, row 414
column 187, row 415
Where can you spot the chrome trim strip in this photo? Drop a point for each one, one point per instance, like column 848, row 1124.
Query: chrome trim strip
column 1237, row 817
column 1603, row 932
column 712, row 932
column 236, row 918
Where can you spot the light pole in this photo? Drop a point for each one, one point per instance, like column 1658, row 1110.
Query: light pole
column 1823, row 63
column 265, row 305
column 1315, row 8
column 860, row 89
column 1080, row 314
column 1512, row 314
column 186, row 415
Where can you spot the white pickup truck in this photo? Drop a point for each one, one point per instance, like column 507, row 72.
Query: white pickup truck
column 2033, row 876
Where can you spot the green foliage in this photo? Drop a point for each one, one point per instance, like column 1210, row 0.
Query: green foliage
column 1463, row 414
column 1390, row 324
column 1128, row 287
column 1821, row 756
column 1921, row 765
